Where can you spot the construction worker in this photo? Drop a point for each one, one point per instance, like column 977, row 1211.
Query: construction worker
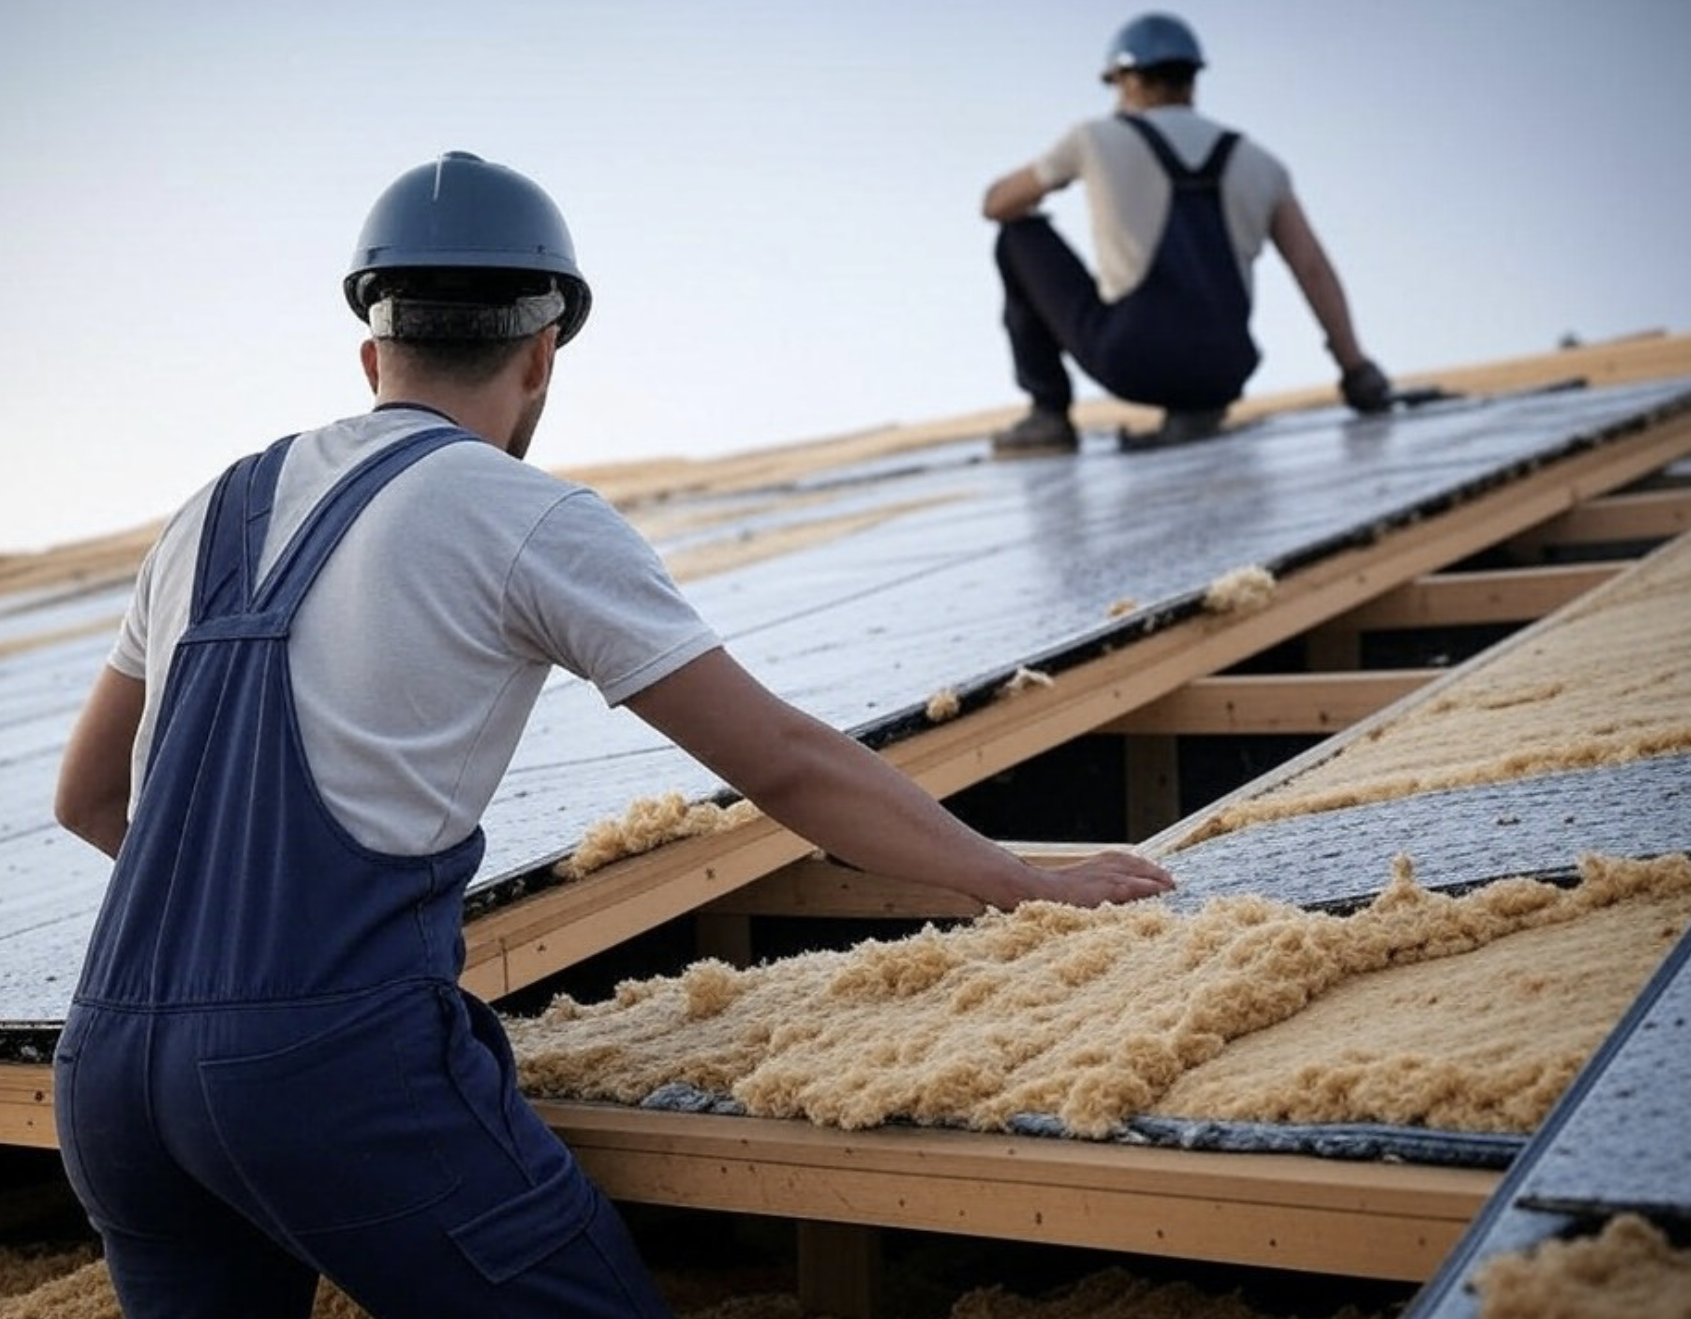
column 1180, row 207
column 269, row 1072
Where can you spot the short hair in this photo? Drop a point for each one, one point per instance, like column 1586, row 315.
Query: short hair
column 1170, row 75
column 463, row 361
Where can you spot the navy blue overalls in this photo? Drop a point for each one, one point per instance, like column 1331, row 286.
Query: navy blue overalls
column 1180, row 340
column 269, row 1071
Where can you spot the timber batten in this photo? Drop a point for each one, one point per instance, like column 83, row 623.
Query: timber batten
column 1280, row 1211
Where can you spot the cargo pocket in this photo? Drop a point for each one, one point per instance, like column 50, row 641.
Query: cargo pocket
column 518, row 1233
column 332, row 1132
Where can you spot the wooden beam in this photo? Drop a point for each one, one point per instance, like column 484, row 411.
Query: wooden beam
column 839, row 1267
column 815, row 886
column 1272, row 703
column 818, row 886
column 1506, row 595
column 528, row 940
column 26, row 1106
column 1636, row 515
column 725, row 936
column 516, row 945
column 1360, row 1219
column 1153, row 781
column 1296, row 766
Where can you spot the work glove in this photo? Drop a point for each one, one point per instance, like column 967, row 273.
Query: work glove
column 1365, row 387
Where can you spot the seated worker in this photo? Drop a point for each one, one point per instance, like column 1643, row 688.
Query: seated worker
column 1180, row 206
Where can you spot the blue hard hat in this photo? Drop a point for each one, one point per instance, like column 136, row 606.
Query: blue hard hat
column 1149, row 40
column 460, row 217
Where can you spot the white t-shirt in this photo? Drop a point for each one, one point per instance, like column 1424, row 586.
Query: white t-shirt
column 1128, row 194
column 418, row 654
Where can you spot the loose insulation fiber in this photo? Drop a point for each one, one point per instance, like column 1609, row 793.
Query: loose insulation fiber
column 1096, row 1016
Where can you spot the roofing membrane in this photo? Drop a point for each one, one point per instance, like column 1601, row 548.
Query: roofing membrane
column 977, row 569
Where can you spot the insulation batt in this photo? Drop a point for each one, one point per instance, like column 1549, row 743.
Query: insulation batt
column 1608, row 685
column 1629, row 1268
column 1241, row 591
column 1096, row 1016
column 649, row 823
column 944, row 704
column 69, row 1286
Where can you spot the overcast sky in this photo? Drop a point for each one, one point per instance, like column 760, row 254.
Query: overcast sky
column 776, row 203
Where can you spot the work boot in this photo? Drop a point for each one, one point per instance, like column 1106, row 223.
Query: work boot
column 1177, row 428
column 1042, row 431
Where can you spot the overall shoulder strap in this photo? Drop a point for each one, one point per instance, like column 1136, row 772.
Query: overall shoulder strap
column 1182, row 176
column 232, row 538
column 309, row 548
column 1214, row 163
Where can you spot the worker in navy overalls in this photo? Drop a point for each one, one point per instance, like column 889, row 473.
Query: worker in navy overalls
column 1180, row 208
column 269, row 1073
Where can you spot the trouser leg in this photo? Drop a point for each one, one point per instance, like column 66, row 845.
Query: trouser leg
column 174, row 1250
column 217, row 1267
column 514, row 1264
column 1051, row 305
column 386, row 1143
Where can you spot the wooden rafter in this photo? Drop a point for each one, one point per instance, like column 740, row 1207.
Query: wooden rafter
column 1272, row 702
column 1505, row 595
column 1282, row 1211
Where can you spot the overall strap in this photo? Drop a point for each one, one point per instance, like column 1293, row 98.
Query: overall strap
column 309, row 548
column 1180, row 175
column 236, row 520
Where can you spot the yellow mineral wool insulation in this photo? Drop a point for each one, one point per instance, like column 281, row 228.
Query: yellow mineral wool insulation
column 1022, row 679
column 1240, row 591
column 1608, row 683
column 650, row 822
column 1628, row 1269
column 1089, row 1015
column 76, row 1289
column 78, row 1292
column 1117, row 1294
column 22, row 1271
column 1485, row 1041
column 944, row 704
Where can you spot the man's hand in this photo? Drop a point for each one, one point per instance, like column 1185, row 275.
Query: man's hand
column 1112, row 876
column 1365, row 387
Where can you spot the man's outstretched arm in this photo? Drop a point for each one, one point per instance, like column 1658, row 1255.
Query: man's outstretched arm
column 1363, row 384
column 840, row 795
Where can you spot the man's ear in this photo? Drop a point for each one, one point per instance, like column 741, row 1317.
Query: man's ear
column 537, row 361
column 372, row 366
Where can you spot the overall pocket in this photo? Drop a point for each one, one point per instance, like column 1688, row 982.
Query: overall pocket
column 335, row 1130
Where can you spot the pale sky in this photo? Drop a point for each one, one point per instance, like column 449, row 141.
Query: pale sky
column 776, row 203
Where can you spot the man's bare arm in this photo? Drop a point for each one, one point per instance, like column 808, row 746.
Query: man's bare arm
column 93, row 793
column 1319, row 281
column 1014, row 195
column 837, row 793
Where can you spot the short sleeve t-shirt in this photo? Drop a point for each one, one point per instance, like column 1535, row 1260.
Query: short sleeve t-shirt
column 1128, row 193
column 418, row 654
